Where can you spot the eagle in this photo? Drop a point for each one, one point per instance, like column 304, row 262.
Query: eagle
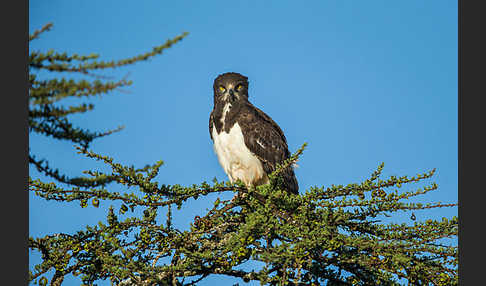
column 247, row 142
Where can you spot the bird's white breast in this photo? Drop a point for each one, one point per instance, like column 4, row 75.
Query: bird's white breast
column 236, row 159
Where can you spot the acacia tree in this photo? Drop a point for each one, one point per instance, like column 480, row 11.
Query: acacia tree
column 332, row 235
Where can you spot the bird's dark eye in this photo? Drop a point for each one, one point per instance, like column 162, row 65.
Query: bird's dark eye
column 239, row 87
column 222, row 89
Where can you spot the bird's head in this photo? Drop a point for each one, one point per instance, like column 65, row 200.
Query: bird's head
column 230, row 87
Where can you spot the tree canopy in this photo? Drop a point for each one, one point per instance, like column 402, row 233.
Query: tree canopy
column 326, row 235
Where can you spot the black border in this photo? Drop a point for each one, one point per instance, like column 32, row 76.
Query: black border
column 471, row 144
column 15, row 144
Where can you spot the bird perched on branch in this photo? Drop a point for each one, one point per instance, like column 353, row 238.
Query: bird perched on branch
column 248, row 143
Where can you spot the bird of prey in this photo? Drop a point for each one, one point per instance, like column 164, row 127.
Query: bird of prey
column 248, row 143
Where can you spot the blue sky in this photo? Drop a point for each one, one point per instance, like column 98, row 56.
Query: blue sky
column 363, row 82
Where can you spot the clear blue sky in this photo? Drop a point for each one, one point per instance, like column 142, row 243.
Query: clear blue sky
column 362, row 82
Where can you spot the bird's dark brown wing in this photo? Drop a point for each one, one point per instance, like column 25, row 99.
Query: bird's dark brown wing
column 211, row 125
column 266, row 140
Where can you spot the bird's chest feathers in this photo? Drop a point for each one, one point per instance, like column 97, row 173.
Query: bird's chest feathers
column 235, row 158
column 226, row 110
column 230, row 147
column 225, row 115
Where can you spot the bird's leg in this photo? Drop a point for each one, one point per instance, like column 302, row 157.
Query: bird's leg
column 241, row 195
column 248, row 188
column 235, row 197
